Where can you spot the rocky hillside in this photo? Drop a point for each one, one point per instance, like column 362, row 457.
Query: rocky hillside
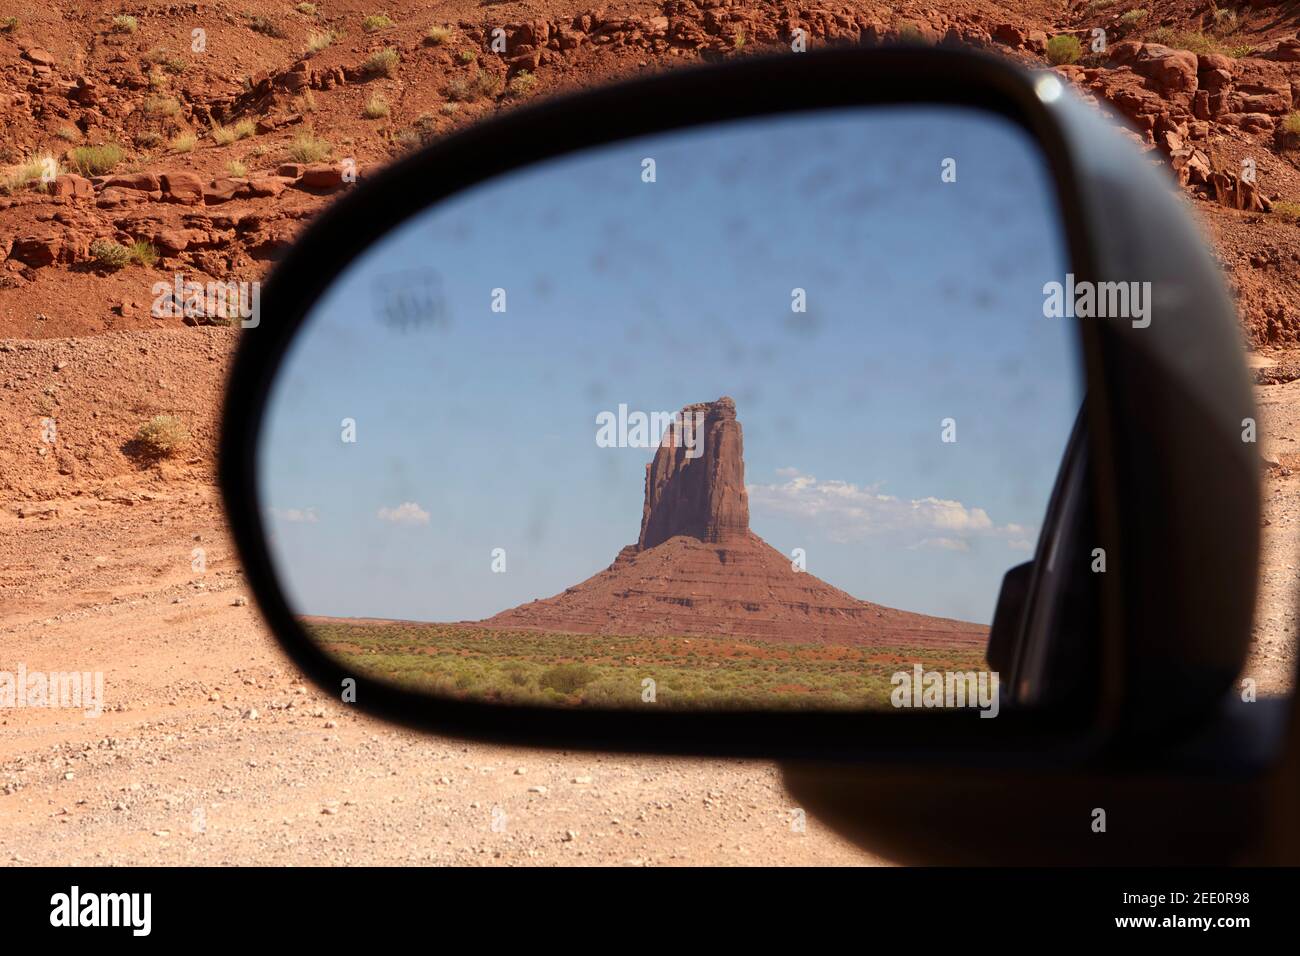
column 142, row 139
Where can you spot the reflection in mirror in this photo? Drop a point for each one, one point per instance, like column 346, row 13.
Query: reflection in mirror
column 754, row 415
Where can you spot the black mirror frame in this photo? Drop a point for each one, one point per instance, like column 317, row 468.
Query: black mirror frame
column 1064, row 129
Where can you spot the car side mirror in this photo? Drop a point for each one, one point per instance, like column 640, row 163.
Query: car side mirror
column 391, row 317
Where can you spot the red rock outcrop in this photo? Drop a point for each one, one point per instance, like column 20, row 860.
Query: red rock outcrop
column 696, row 483
column 698, row 570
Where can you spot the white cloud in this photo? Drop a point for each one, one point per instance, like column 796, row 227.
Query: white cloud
column 406, row 513
column 943, row 544
column 296, row 515
column 850, row 512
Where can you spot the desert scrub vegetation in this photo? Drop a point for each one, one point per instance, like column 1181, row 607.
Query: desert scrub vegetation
column 436, row 35
column 34, row 172
column 424, row 129
column 143, row 252
column 522, row 84
column 236, row 169
column 161, row 106
column 267, row 27
column 114, row 255
column 1224, row 22
column 165, row 59
column 909, row 33
column 467, row 56
column 307, row 148
column 69, row 134
column 161, row 437
column 1290, row 131
column 1287, row 211
column 376, row 107
column 123, row 23
column 1132, row 17
column 467, row 89
column 240, row 129
column 376, row 21
column 1096, row 6
column 1198, row 43
column 9, row 24
column 95, row 160
column 1063, row 49
column 110, row 254
column 183, row 142
column 382, row 62
column 540, row 668
column 307, row 9
column 317, row 41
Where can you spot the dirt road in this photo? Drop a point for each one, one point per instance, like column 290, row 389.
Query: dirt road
column 212, row 750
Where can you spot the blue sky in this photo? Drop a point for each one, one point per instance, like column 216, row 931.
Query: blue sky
column 476, row 429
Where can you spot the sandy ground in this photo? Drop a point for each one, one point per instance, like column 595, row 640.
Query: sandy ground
column 212, row 750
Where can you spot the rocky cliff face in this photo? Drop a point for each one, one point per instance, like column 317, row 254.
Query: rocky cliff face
column 695, row 485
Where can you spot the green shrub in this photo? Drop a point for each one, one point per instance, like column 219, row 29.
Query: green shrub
column 162, row 436
column 382, row 62
column 1198, row 43
column 143, row 252
column 125, row 24
column 95, row 160
column 110, row 254
column 306, row 148
column 308, row 9
column 522, row 84
column 1063, row 49
column 462, row 89
column 567, row 678
column 161, row 106
column 376, row 21
column 1133, row 17
column 1287, row 211
column 319, row 41
column 1224, row 22
column 8, row 24
column 241, row 129
column 168, row 61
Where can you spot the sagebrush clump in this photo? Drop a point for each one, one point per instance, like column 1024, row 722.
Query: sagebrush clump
column 1063, row 49
column 162, row 436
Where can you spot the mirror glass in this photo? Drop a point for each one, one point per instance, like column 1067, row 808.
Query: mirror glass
column 751, row 415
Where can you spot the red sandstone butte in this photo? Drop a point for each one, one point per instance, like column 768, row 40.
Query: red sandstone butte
column 698, row 570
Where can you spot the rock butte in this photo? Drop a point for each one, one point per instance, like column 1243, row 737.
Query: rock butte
column 698, row 570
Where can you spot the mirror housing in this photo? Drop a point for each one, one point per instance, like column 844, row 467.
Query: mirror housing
column 1164, row 401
